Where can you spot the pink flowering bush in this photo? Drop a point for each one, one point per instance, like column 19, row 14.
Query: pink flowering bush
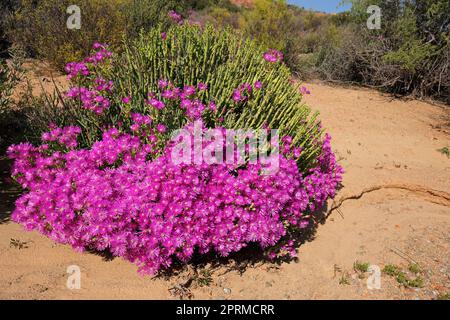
column 110, row 197
column 203, row 68
column 109, row 181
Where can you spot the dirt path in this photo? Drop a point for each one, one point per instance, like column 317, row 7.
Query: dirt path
column 394, row 209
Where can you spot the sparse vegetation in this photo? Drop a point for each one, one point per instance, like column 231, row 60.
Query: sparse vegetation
column 11, row 122
column 445, row 151
column 203, row 278
column 18, row 244
column 344, row 279
column 361, row 266
column 410, row 54
column 414, row 268
column 402, row 278
column 40, row 26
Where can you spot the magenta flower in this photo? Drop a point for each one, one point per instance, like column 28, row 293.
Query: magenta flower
column 237, row 96
column 189, row 91
column 304, row 90
column 162, row 83
column 297, row 152
column 156, row 103
column 185, row 104
column 175, row 17
column 202, row 86
column 75, row 69
column 161, row 128
column 273, row 56
column 212, row 106
column 126, row 100
column 170, row 94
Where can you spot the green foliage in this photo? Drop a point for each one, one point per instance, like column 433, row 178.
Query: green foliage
column 414, row 268
column 391, row 270
column 402, row 278
column 445, row 151
column 222, row 60
column 40, row 26
column 7, row 7
column 274, row 24
column 190, row 55
column 10, row 74
column 264, row 22
column 145, row 14
column 361, row 266
column 410, row 54
column 203, row 278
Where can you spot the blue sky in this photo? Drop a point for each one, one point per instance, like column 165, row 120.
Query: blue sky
column 321, row 5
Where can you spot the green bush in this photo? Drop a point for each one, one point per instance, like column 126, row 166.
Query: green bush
column 190, row 55
column 40, row 26
column 9, row 76
column 222, row 60
column 6, row 9
column 10, row 116
column 408, row 55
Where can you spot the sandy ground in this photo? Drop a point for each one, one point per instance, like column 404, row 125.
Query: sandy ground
column 394, row 208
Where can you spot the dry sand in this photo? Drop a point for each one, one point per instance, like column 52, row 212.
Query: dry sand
column 397, row 212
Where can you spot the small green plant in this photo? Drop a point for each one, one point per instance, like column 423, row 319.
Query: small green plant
column 402, row 278
column 414, row 268
column 344, row 279
column 416, row 283
column 204, row 278
column 361, row 266
column 445, row 151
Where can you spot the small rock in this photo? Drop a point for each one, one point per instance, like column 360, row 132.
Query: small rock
column 227, row 290
column 219, row 298
column 268, row 284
